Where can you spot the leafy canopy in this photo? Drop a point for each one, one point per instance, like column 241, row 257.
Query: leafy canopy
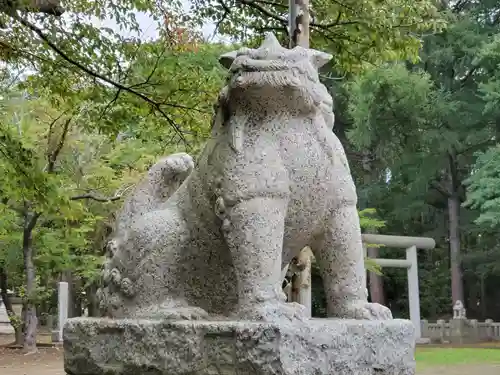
column 357, row 33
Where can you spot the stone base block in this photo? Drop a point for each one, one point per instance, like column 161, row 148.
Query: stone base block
column 316, row 347
column 423, row 341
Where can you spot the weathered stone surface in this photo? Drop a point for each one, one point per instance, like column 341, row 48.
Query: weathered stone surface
column 209, row 241
column 272, row 179
column 315, row 347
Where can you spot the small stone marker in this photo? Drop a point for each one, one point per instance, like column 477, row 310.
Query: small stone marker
column 62, row 307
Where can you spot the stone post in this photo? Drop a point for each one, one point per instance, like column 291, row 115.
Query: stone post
column 457, row 331
column 62, row 308
column 473, row 331
column 413, row 292
column 489, row 330
column 458, row 325
column 305, row 291
column 442, row 330
column 301, row 282
column 424, row 329
column 50, row 322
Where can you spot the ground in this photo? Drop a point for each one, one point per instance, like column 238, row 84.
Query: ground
column 48, row 361
column 430, row 361
column 458, row 361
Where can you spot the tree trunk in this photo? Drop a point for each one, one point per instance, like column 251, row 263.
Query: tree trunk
column 14, row 319
column 30, row 319
column 92, row 306
column 375, row 282
column 484, row 306
column 457, row 293
column 301, row 284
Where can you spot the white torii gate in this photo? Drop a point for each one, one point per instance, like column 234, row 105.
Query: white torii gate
column 411, row 244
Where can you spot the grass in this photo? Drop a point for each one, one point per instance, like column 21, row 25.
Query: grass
column 429, row 357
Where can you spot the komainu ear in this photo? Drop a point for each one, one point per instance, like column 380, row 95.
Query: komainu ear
column 270, row 41
column 318, row 58
column 226, row 59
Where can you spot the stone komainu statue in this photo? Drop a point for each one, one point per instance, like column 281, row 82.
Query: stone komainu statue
column 211, row 240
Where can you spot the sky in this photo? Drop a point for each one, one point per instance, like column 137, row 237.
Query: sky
column 148, row 25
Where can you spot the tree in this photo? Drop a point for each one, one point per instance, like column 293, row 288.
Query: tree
column 59, row 170
column 62, row 53
column 424, row 124
column 355, row 33
column 483, row 192
column 69, row 50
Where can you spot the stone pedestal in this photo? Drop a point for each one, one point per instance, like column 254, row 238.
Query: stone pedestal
column 319, row 346
column 458, row 331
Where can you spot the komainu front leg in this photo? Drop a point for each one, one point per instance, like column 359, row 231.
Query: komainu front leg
column 341, row 261
column 253, row 230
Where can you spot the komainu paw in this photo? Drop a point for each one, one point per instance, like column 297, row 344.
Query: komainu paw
column 366, row 311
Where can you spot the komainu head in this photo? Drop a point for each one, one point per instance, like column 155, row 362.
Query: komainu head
column 275, row 77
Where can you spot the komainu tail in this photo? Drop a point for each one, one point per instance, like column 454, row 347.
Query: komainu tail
column 162, row 180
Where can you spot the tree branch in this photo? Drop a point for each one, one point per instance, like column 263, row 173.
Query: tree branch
column 52, row 158
column 264, row 11
column 97, row 198
column 154, row 104
column 227, row 12
column 440, row 188
column 110, row 103
column 468, row 75
column 270, row 28
column 473, row 147
column 100, row 198
column 151, row 74
column 31, row 222
column 255, row 4
column 272, row 3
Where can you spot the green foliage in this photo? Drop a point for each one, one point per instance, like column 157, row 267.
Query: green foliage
column 74, row 148
column 483, row 191
column 423, row 133
column 356, row 33
column 368, row 219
